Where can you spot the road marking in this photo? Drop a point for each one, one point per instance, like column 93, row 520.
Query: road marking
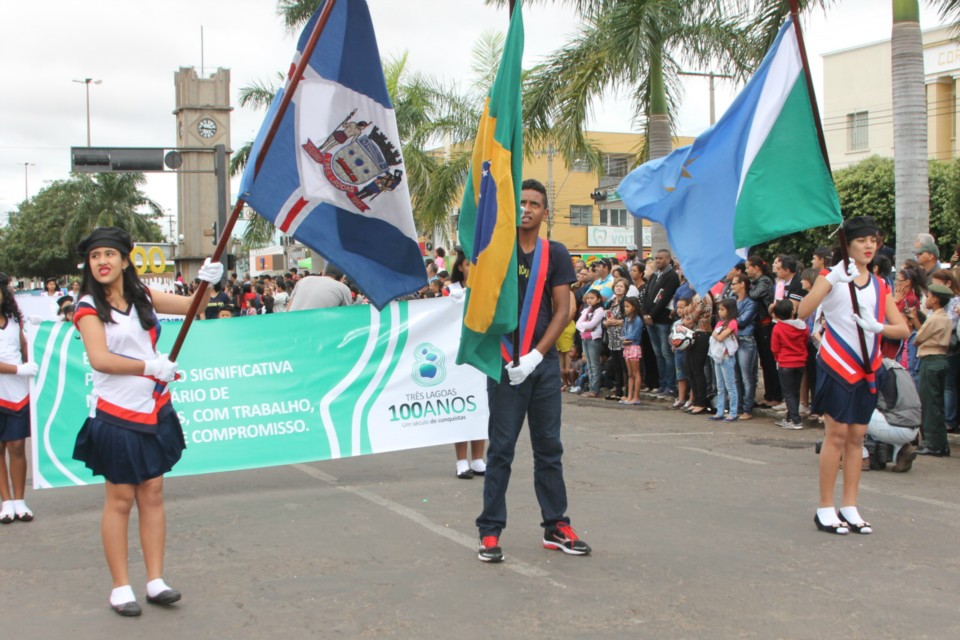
column 649, row 435
column 463, row 540
column 931, row 501
column 724, row 455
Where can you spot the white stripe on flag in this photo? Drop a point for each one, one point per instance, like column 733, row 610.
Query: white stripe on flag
column 779, row 82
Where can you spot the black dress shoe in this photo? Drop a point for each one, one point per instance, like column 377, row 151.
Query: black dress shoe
column 127, row 609
column 168, row 596
column 937, row 453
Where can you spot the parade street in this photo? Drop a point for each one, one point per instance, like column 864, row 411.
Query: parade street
column 698, row 529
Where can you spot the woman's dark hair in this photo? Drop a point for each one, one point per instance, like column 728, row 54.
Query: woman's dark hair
column 620, row 271
column 742, row 277
column 441, row 252
column 759, row 263
column 9, row 307
column 731, row 306
column 134, row 293
column 917, row 282
column 949, row 277
column 247, row 288
column 597, row 294
column 456, row 271
column 882, row 265
column 635, row 301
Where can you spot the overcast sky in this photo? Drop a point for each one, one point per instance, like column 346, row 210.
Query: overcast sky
column 135, row 47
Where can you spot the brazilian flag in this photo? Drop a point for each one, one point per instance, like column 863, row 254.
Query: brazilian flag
column 490, row 214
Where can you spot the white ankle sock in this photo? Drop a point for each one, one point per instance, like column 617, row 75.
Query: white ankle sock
column 20, row 506
column 6, row 507
column 156, row 587
column 462, row 465
column 828, row 516
column 851, row 515
column 121, row 595
column 478, row 465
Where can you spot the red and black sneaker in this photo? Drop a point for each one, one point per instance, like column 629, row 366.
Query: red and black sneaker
column 563, row 537
column 490, row 549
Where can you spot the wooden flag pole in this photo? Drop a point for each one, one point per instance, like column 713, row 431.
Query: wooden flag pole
column 516, row 332
column 841, row 236
column 227, row 231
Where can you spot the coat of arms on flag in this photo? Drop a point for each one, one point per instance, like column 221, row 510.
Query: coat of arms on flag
column 358, row 164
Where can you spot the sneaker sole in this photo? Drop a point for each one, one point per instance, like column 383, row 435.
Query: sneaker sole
column 554, row 546
column 483, row 558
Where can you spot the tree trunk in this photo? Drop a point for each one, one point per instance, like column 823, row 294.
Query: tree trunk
column 909, row 128
column 659, row 144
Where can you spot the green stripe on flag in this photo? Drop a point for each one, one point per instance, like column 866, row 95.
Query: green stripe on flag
column 788, row 187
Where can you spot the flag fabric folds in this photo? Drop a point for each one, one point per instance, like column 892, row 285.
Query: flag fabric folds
column 334, row 176
column 490, row 214
column 757, row 174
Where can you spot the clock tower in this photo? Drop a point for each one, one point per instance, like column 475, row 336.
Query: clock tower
column 203, row 122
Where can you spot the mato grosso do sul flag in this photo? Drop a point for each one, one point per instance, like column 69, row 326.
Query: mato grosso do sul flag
column 334, row 176
column 757, row 174
column 490, row 212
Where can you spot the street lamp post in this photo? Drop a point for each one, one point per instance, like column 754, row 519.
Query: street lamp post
column 712, row 76
column 88, row 82
column 26, row 179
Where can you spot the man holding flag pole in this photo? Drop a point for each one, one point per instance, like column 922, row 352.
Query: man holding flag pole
column 509, row 262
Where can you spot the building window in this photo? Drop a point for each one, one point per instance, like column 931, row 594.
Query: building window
column 615, row 165
column 857, row 136
column 580, row 165
column 613, row 217
column 581, row 215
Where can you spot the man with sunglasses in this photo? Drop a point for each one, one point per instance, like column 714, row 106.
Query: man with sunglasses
column 603, row 283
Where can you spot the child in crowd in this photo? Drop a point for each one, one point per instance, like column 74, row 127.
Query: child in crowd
column 227, row 311
column 789, row 346
column 592, row 335
column 632, row 327
column 680, row 357
column 723, row 346
column 14, row 407
column 933, row 340
column 814, row 331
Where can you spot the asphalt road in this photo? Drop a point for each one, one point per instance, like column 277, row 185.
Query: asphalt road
column 699, row 530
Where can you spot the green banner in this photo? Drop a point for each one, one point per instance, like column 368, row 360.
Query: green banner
column 277, row 389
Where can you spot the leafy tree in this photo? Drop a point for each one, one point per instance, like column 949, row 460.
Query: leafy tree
column 114, row 199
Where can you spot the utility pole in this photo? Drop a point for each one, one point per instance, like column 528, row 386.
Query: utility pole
column 88, row 82
column 26, row 180
column 712, row 76
column 551, row 152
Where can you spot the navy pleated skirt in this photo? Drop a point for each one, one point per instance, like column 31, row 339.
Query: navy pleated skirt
column 843, row 404
column 15, row 426
column 123, row 456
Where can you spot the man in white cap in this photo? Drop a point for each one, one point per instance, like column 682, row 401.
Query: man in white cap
column 631, row 256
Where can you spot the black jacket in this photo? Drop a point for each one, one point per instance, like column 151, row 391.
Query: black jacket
column 659, row 293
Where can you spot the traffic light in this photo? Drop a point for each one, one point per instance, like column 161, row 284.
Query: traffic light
column 231, row 262
column 119, row 159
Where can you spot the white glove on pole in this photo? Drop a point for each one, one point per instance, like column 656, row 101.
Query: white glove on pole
column 839, row 273
column 868, row 323
column 160, row 368
column 458, row 294
column 527, row 364
column 211, row 272
column 28, row 369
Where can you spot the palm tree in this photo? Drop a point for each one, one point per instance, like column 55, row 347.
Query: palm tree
column 633, row 46
column 114, row 199
column 909, row 127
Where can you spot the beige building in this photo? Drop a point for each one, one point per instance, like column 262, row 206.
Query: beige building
column 587, row 214
column 858, row 104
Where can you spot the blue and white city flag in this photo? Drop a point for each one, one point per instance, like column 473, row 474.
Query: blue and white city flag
column 334, row 177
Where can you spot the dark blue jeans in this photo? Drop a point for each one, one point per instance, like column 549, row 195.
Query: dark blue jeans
column 538, row 401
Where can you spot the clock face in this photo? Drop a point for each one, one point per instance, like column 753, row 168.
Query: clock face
column 207, row 128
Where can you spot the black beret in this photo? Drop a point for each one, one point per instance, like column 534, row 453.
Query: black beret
column 859, row 227
column 112, row 237
column 63, row 299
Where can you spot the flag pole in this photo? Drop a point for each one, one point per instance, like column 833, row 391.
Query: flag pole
column 841, row 236
column 516, row 332
column 227, row 231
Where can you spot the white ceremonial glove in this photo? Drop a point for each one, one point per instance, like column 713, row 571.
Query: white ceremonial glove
column 458, row 294
column 160, row 368
column 28, row 369
column 527, row 364
column 868, row 323
column 210, row 271
column 34, row 319
column 840, row 274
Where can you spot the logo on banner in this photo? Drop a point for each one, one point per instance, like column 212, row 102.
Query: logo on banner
column 357, row 162
column 428, row 369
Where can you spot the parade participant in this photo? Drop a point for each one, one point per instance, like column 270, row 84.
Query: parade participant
column 133, row 436
column 14, row 407
column 531, row 390
column 845, row 391
column 457, row 289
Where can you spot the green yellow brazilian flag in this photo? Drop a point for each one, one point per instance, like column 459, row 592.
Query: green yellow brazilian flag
column 490, row 214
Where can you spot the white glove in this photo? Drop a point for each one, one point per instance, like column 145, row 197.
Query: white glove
column 527, row 364
column 160, row 368
column 868, row 323
column 28, row 369
column 840, row 274
column 210, row 271
column 458, row 294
